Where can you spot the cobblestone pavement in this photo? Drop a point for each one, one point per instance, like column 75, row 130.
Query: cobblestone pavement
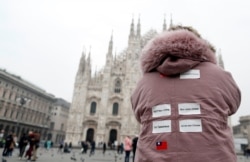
column 75, row 156
column 54, row 156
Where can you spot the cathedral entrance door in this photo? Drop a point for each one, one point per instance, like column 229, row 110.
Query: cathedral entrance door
column 112, row 136
column 90, row 135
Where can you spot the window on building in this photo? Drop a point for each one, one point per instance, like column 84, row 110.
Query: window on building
column 5, row 113
column 11, row 113
column 62, row 126
column 93, row 108
column 10, row 96
column 22, row 116
column 4, row 93
column 17, row 114
column 52, row 125
column 27, row 116
column 118, row 85
column 115, row 108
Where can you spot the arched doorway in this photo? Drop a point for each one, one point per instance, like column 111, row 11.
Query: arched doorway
column 90, row 135
column 112, row 135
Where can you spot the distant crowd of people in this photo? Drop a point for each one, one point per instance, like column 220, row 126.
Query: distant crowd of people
column 27, row 144
column 126, row 146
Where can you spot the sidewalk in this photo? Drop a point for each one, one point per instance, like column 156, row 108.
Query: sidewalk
column 76, row 156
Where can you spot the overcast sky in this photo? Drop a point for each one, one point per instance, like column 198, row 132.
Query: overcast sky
column 42, row 40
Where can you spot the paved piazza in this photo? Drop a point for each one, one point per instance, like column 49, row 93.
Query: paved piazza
column 76, row 156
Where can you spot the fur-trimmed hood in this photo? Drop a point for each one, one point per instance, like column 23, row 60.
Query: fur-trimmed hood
column 175, row 52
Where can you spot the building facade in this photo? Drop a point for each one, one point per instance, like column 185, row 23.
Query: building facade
column 25, row 107
column 101, row 108
column 243, row 129
column 241, row 133
column 59, row 120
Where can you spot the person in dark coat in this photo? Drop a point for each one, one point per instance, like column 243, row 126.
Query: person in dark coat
column 70, row 145
column 22, row 144
column 9, row 140
column 31, row 139
column 121, row 148
column 60, row 149
column 36, row 145
column 92, row 151
column 66, row 148
column 134, row 145
column 104, row 148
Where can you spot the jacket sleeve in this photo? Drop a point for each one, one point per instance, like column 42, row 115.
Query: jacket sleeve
column 137, row 101
column 135, row 108
column 233, row 94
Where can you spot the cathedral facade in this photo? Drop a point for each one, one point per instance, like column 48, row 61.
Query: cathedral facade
column 101, row 108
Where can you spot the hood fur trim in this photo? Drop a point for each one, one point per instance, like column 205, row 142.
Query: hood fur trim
column 175, row 44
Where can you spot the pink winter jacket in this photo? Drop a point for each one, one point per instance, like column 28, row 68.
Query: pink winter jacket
column 183, row 102
column 127, row 144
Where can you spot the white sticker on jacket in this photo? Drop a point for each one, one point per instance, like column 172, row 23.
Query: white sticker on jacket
column 189, row 108
column 191, row 74
column 161, row 110
column 161, row 126
column 190, row 125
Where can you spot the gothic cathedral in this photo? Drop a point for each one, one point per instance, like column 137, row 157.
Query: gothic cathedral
column 101, row 108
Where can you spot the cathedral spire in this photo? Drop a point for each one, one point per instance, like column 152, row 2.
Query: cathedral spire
column 110, row 50
column 132, row 32
column 110, row 45
column 171, row 21
column 95, row 72
column 82, row 63
column 164, row 23
column 138, row 28
column 115, row 57
column 89, row 56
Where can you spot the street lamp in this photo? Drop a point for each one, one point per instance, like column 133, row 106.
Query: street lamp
column 22, row 101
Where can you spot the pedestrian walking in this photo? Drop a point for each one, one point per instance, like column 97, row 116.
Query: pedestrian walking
column 134, row 145
column 60, row 148
column 36, row 145
column 70, row 145
column 92, row 150
column 183, row 101
column 104, row 148
column 31, row 140
column 127, row 147
column 66, row 148
column 121, row 148
column 22, row 144
column 118, row 148
column 48, row 145
column 85, row 147
column 9, row 145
